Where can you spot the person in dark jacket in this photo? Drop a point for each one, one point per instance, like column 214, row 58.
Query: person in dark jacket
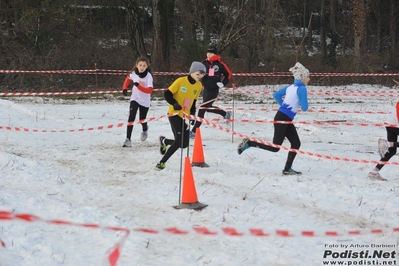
column 217, row 76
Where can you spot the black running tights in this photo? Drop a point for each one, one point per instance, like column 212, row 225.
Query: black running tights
column 282, row 131
column 180, row 130
column 134, row 106
column 392, row 136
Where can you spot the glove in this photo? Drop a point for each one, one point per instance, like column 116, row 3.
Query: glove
column 176, row 106
column 124, row 92
column 220, row 84
column 192, row 122
column 136, row 84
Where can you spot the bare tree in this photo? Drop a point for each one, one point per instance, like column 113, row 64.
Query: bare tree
column 323, row 35
column 393, row 20
column 333, row 34
column 138, row 26
column 359, row 24
column 162, row 38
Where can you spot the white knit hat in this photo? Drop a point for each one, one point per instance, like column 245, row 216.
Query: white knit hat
column 299, row 71
column 197, row 66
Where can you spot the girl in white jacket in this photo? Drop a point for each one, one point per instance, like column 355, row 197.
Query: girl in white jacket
column 140, row 99
column 387, row 147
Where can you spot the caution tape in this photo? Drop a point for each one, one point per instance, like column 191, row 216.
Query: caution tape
column 259, row 74
column 323, row 93
column 15, row 94
column 206, row 231
column 262, row 109
column 266, row 91
column 208, row 122
column 319, row 123
column 113, row 254
column 119, row 125
column 311, row 154
column 111, row 126
column 316, row 91
column 80, row 71
column 258, row 232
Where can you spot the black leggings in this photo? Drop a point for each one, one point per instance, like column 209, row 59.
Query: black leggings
column 134, row 106
column 282, row 131
column 180, row 130
column 392, row 136
column 208, row 96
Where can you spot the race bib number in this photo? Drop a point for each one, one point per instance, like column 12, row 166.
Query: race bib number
column 211, row 72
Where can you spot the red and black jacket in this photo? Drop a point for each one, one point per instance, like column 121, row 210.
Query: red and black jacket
column 222, row 73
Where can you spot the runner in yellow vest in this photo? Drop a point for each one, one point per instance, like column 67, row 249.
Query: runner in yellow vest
column 182, row 96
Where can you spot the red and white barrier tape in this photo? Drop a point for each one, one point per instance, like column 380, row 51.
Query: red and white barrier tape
column 112, row 256
column 259, row 74
column 76, row 71
column 258, row 232
column 14, row 94
column 321, row 92
column 227, row 231
column 111, row 126
column 119, row 125
column 311, row 154
column 261, row 109
column 320, row 123
column 266, row 91
column 208, row 122
column 326, row 93
column 115, row 252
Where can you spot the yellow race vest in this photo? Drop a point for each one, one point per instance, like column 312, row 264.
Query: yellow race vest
column 184, row 93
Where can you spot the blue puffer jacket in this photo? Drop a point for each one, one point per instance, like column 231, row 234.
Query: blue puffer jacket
column 295, row 96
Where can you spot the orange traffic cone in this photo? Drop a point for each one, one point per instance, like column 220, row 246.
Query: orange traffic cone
column 189, row 198
column 198, row 151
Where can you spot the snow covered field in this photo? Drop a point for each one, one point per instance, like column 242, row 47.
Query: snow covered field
column 87, row 177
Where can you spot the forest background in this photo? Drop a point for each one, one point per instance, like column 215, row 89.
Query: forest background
column 252, row 36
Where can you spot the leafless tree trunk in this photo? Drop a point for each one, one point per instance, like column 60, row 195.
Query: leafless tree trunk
column 136, row 16
column 323, row 35
column 162, row 33
column 379, row 25
column 359, row 24
column 392, row 26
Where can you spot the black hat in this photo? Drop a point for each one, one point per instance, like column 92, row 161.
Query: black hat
column 212, row 49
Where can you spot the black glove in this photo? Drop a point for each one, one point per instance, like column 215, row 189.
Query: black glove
column 176, row 106
column 124, row 92
column 193, row 108
column 136, row 84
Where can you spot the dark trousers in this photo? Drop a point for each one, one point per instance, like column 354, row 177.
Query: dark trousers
column 392, row 136
column 134, row 107
column 282, row 131
column 181, row 132
column 209, row 96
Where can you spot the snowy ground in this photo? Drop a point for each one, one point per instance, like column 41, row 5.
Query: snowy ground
column 87, row 177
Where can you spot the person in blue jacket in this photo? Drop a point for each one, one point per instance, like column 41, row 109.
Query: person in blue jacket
column 290, row 98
